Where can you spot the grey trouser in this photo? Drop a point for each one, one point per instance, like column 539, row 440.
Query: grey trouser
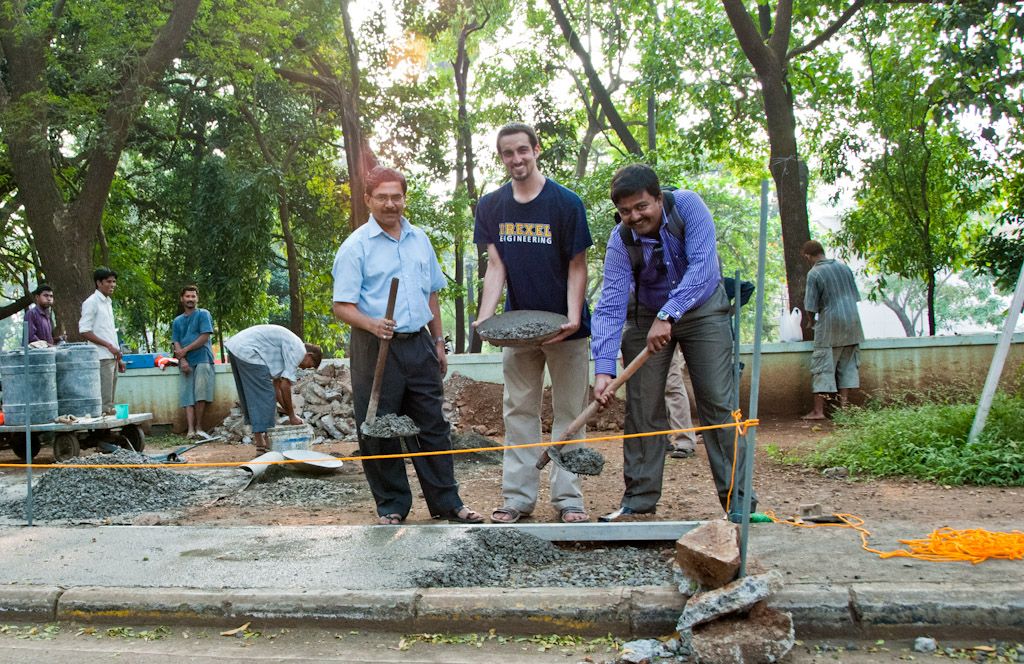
column 256, row 394
column 108, row 384
column 678, row 403
column 568, row 364
column 706, row 339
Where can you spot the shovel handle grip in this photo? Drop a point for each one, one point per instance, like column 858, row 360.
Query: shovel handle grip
column 382, row 356
column 595, row 405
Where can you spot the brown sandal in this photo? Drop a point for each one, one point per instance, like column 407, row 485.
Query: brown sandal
column 512, row 513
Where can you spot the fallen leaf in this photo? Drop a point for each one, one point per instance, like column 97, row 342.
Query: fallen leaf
column 232, row 632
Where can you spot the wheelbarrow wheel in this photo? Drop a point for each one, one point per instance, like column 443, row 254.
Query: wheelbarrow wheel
column 66, row 446
column 18, row 445
column 133, row 436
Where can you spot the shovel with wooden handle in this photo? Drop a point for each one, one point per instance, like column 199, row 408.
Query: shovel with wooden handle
column 594, row 406
column 382, row 358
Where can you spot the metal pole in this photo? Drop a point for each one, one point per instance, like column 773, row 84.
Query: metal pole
column 27, row 414
column 736, row 342
column 755, row 378
column 995, row 370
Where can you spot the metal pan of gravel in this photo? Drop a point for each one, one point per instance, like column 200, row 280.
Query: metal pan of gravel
column 315, row 463
column 524, row 327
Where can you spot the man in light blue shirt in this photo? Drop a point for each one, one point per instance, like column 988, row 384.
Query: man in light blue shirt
column 385, row 247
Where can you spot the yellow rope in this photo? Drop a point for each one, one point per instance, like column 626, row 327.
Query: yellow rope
column 945, row 545
column 498, row 448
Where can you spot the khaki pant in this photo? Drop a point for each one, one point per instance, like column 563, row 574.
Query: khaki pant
column 678, row 403
column 108, row 384
column 568, row 364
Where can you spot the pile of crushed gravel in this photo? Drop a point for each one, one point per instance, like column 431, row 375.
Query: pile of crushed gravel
column 509, row 558
column 471, row 440
column 298, row 491
column 82, row 493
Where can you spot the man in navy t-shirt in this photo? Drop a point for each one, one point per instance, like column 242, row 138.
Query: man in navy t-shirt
column 536, row 235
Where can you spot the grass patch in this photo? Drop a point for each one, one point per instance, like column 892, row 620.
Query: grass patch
column 167, row 440
column 929, row 442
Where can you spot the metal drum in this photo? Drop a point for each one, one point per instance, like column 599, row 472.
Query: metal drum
column 78, row 381
column 37, row 388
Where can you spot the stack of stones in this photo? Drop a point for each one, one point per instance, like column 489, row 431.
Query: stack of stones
column 322, row 398
column 726, row 620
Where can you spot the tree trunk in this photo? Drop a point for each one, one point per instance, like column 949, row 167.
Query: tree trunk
column 597, row 88
column 930, row 295
column 476, row 344
column 770, row 59
column 296, row 319
column 901, row 314
column 65, row 233
column 358, row 156
column 786, row 169
column 465, row 170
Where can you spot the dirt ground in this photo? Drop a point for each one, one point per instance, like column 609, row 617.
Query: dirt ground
column 688, row 490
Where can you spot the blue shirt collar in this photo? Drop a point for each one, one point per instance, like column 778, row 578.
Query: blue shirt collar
column 375, row 228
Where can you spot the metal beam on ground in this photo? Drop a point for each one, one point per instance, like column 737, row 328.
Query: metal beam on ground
column 638, row 531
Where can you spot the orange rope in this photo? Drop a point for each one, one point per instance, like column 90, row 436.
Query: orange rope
column 945, row 545
column 498, row 448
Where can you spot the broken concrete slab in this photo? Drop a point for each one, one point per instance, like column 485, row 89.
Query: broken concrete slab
column 710, row 553
column 740, row 595
column 763, row 636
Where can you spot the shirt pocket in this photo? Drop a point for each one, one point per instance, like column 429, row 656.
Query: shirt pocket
column 422, row 273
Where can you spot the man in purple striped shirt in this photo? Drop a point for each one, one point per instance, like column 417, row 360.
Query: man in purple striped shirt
column 678, row 299
column 40, row 327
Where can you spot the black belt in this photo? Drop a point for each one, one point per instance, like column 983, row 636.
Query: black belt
column 407, row 335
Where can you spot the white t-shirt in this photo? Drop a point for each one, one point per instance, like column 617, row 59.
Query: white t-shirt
column 273, row 346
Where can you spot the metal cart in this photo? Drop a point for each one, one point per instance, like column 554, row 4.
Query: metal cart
column 68, row 440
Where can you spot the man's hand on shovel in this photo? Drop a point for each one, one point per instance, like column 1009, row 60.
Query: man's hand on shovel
column 383, row 328
column 601, row 392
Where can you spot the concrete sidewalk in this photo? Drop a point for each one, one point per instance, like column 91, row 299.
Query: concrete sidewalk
column 358, row 577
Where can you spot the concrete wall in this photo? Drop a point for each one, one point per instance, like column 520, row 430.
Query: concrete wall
column 888, row 367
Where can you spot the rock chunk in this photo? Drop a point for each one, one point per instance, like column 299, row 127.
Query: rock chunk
column 765, row 635
column 740, row 595
column 710, row 553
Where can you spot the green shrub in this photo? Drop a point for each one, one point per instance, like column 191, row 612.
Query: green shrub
column 929, row 442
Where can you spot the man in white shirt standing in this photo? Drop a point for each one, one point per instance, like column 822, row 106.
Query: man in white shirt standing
column 97, row 327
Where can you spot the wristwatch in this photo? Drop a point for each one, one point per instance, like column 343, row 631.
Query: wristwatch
column 663, row 315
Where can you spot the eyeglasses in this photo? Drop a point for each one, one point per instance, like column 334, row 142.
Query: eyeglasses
column 658, row 259
column 384, row 198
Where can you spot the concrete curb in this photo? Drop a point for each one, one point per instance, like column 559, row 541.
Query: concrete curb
column 29, row 603
column 856, row 610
